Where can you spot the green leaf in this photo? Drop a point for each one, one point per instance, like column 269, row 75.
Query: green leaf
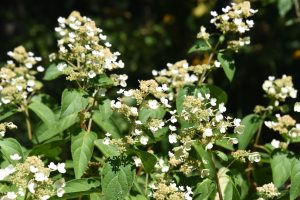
column 284, row 6
column 52, row 73
column 204, row 190
column 207, row 156
column 10, row 146
column 43, row 149
column 107, row 125
column 45, row 132
column 103, row 81
column 252, row 123
column 148, row 159
column 200, row 45
column 117, row 179
column 107, row 150
column 222, row 155
column 295, row 179
column 82, row 146
column 95, row 196
column 5, row 113
column 147, row 113
column 73, row 101
column 281, row 168
column 79, row 187
column 43, row 112
column 180, row 99
column 215, row 92
column 228, row 65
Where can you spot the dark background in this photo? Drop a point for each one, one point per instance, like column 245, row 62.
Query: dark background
column 150, row 33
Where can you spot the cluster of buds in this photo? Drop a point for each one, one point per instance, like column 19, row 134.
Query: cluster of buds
column 268, row 191
column 235, row 18
column 84, row 50
column 32, row 176
column 241, row 155
column 280, row 89
column 179, row 74
column 163, row 190
column 4, row 126
column 17, row 77
column 285, row 125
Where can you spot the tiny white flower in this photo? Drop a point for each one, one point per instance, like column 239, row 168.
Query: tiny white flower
column 165, row 169
column 39, row 176
column 91, row 74
column 134, row 111
column 137, row 161
column 250, row 23
column 5, row 100
column 219, row 117
column 222, row 108
column 237, row 21
column 275, row 143
column 209, row 146
column 40, row 69
column 102, row 37
column 61, row 66
column 297, row 107
column 52, row 166
column 153, row 104
column 173, row 138
column 172, row 128
column 15, row 156
column 11, row 195
column 207, row 132
column 31, row 186
column 173, row 119
column 61, row 168
column 144, row 140
column 214, row 13
column 107, row 44
column 225, row 17
column 138, row 122
column 30, row 83
column 137, row 132
column 60, row 192
column 213, row 101
column 226, row 9
column 237, row 122
column 33, row 169
column 45, row 197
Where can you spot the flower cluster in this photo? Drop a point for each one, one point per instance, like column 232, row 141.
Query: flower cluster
column 179, row 74
column 280, row 89
column 235, row 18
column 167, row 191
column 17, row 77
column 285, row 125
column 34, row 177
column 84, row 50
column 268, row 191
column 243, row 154
column 4, row 126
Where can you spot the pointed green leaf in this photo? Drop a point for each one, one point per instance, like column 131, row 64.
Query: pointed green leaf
column 43, row 112
column 281, row 168
column 204, row 190
column 148, row 159
column 82, row 146
column 228, row 65
column 295, row 180
column 52, row 73
column 117, row 179
column 73, row 101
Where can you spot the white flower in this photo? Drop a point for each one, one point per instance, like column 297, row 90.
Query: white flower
column 165, row 169
column 242, row 29
column 209, row 146
column 61, row 168
column 173, row 138
column 11, row 195
column 213, row 101
column 52, row 166
column 15, row 157
column 275, row 143
column 154, row 72
column 250, row 23
column 254, row 157
column 5, row 100
column 137, row 161
column 61, row 66
column 102, row 37
column 107, row 44
column 60, row 192
column 33, row 169
column 91, row 74
column 31, row 186
column 173, row 119
column 237, row 122
column 219, row 117
column 222, row 108
column 225, row 17
column 225, row 10
column 138, row 122
column 297, row 107
column 153, row 104
column 45, row 197
column 6, row 172
column 39, row 176
column 40, row 69
column 134, row 111
column 172, row 128
column 237, row 21
column 137, row 132
column 207, row 132
column 144, row 140
column 214, row 13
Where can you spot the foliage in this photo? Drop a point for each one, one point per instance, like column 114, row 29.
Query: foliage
column 169, row 138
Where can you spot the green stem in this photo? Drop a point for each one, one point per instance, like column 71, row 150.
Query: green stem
column 146, row 184
column 28, row 124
